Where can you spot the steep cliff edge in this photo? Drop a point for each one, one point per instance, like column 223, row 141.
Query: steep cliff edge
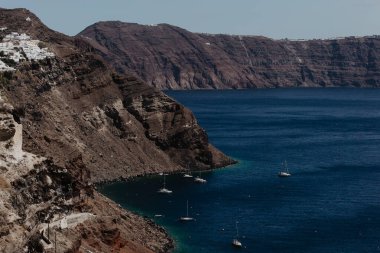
column 73, row 104
column 68, row 120
column 169, row 57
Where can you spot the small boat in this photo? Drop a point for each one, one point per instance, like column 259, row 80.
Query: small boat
column 285, row 171
column 199, row 179
column 187, row 217
column 164, row 189
column 235, row 242
column 187, row 175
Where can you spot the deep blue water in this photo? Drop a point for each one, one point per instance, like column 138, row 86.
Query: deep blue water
column 331, row 141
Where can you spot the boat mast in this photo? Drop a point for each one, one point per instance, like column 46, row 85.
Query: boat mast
column 286, row 167
column 237, row 231
column 187, row 208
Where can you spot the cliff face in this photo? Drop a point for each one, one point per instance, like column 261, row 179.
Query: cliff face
column 169, row 57
column 73, row 104
column 68, row 120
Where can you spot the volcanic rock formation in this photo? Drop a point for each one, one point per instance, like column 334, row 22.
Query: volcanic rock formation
column 168, row 57
column 68, row 120
column 73, row 104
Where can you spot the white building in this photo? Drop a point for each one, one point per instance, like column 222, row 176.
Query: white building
column 16, row 46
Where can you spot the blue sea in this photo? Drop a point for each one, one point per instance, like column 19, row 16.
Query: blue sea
column 330, row 139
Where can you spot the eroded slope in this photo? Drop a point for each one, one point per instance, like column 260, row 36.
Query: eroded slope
column 67, row 121
column 168, row 57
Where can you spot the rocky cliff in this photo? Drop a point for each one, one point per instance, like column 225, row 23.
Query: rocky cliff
column 68, row 120
column 169, row 57
column 73, row 104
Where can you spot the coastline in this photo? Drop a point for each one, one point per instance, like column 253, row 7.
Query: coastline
column 144, row 218
column 150, row 235
column 169, row 172
column 98, row 126
column 145, row 221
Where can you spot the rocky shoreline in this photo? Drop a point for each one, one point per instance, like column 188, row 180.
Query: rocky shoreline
column 69, row 121
column 32, row 202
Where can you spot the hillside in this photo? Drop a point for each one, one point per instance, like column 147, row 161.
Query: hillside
column 168, row 57
column 67, row 121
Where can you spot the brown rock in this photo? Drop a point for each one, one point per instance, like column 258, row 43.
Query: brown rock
column 168, row 57
column 91, row 125
column 7, row 127
column 120, row 126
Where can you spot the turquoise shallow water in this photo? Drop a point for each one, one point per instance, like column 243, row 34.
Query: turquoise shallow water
column 331, row 140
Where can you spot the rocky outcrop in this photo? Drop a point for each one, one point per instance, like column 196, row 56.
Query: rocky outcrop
column 169, row 57
column 7, row 127
column 172, row 127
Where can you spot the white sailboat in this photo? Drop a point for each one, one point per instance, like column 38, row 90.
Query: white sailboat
column 285, row 171
column 187, row 217
column 164, row 189
column 199, row 179
column 188, row 174
column 235, row 242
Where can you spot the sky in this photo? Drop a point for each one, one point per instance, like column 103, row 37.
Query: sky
column 278, row 19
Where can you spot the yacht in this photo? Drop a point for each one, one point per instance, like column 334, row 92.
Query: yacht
column 285, row 171
column 187, row 217
column 164, row 189
column 235, row 242
column 199, row 179
column 188, row 174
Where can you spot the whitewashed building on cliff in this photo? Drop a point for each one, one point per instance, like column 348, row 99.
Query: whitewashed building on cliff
column 20, row 47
